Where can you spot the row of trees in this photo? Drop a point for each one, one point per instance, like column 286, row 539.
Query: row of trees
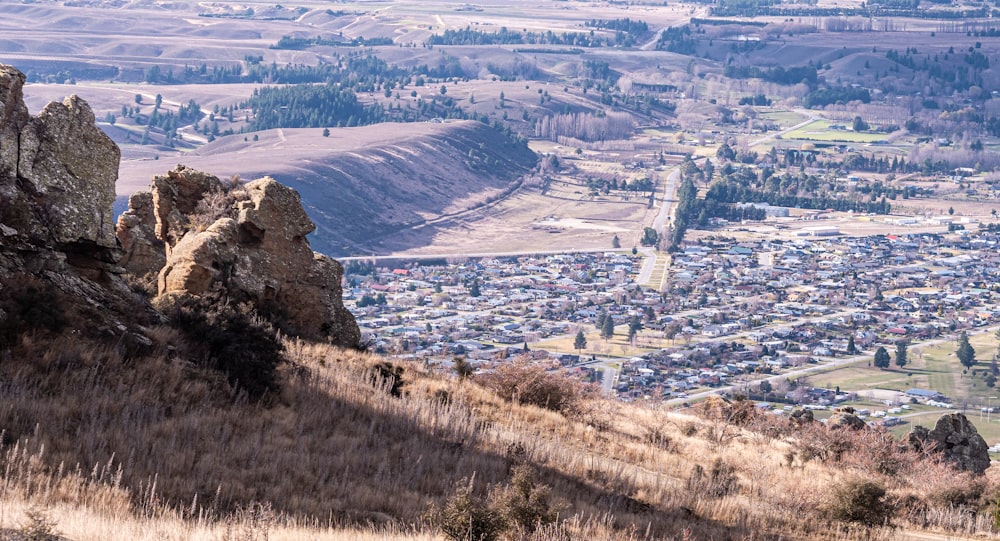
column 468, row 36
column 585, row 126
column 359, row 70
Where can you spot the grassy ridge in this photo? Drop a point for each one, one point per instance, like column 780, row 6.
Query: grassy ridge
column 95, row 438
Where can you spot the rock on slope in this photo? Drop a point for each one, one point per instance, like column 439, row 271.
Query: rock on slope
column 57, row 187
column 196, row 233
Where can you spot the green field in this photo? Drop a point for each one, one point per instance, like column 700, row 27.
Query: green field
column 784, row 119
column 934, row 367
column 819, row 130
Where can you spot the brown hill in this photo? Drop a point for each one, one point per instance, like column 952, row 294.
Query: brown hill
column 360, row 185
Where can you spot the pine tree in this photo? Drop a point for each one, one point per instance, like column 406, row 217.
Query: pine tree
column 580, row 342
column 901, row 353
column 634, row 326
column 965, row 352
column 608, row 329
column 851, row 348
column 881, row 358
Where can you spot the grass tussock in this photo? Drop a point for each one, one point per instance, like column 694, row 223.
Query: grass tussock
column 342, row 444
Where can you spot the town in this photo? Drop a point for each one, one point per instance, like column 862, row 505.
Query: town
column 736, row 313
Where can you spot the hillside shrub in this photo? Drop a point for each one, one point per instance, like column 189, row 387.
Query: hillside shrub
column 28, row 304
column 861, row 501
column 388, row 375
column 38, row 526
column 521, row 506
column 524, row 503
column 468, row 517
column 525, row 383
column 720, row 480
column 231, row 338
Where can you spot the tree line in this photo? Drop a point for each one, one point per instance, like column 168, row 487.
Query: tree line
column 504, row 36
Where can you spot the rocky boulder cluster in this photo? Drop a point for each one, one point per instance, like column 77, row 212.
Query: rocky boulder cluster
column 191, row 231
column 196, row 232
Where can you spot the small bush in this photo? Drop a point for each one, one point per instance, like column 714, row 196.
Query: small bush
column 524, row 503
column 526, row 383
column 38, row 526
column 29, row 304
column 230, row 338
column 861, row 501
column 467, row 517
column 389, row 375
column 720, row 480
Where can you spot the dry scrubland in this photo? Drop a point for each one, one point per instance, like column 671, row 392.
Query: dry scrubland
column 104, row 445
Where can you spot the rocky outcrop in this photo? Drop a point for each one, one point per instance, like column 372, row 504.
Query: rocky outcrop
column 57, row 171
column 250, row 239
column 57, row 187
column 845, row 419
column 956, row 439
column 143, row 253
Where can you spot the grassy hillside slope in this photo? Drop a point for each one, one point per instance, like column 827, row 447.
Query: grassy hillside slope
column 103, row 443
column 360, row 185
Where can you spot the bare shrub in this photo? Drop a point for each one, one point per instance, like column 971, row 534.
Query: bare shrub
column 524, row 503
column 720, row 480
column 251, row 523
column 38, row 526
column 230, row 338
column 860, row 501
column 215, row 204
column 388, row 375
column 468, row 517
column 28, row 303
column 527, row 383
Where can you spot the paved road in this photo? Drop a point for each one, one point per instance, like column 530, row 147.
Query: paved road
column 659, row 223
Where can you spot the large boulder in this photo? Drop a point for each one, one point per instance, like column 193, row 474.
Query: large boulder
column 57, row 179
column 845, row 419
column 57, row 241
column 57, row 172
column 956, row 439
column 251, row 240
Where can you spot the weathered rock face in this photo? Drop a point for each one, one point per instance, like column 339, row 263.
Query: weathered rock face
column 143, row 253
column 57, row 171
column 251, row 239
column 57, row 187
column 956, row 439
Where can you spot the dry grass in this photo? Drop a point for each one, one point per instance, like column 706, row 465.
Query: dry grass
column 155, row 448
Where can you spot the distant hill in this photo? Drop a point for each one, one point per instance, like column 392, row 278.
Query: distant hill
column 360, row 185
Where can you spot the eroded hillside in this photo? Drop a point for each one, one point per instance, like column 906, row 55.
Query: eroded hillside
column 361, row 185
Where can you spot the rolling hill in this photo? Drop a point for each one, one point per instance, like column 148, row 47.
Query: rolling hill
column 360, row 185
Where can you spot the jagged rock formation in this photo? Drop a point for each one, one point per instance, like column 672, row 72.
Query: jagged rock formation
column 249, row 239
column 57, row 239
column 143, row 253
column 57, row 186
column 956, row 439
column 57, row 171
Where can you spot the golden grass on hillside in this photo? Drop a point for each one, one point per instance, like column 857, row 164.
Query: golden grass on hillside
column 110, row 446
